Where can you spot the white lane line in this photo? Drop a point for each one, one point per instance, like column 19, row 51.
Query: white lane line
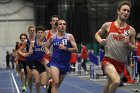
column 15, row 83
column 77, row 87
column 11, row 83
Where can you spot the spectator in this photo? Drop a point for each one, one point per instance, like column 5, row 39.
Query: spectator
column 84, row 56
column 7, row 59
column 73, row 61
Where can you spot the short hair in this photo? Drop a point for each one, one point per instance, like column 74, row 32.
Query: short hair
column 40, row 28
column 23, row 34
column 53, row 17
column 123, row 3
column 31, row 26
column 56, row 23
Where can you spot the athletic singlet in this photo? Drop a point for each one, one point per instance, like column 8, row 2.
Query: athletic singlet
column 58, row 54
column 38, row 52
column 29, row 58
column 48, row 36
column 115, row 47
column 20, row 57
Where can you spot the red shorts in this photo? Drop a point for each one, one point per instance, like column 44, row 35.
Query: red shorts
column 119, row 66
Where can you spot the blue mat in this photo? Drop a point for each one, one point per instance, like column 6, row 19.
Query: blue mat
column 70, row 85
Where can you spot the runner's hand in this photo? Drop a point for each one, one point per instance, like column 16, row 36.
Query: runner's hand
column 103, row 42
column 62, row 46
column 126, row 40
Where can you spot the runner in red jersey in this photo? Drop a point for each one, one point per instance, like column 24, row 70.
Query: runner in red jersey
column 120, row 40
column 47, row 57
column 84, row 56
column 22, row 62
column 73, row 61
column 49, row 33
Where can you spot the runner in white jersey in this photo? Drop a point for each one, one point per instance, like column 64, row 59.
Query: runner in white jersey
column 120, row 39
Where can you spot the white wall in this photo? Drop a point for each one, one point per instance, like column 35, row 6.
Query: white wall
column 15, row 18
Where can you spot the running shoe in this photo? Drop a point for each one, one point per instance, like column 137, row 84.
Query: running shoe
column 23, row 89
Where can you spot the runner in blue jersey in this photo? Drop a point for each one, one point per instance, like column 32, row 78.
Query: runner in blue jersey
column 38, row 51
column 31, row 38
column 63, row 44
column 32, row 35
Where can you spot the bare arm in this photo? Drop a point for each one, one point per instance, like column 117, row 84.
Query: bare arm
column 49, row 42
column 31, row 46
column 46, row 33
column 73, row 43
column 47, row 45
column 132, row 43
column 24, row 46
column 19, row 51
column 101, row 31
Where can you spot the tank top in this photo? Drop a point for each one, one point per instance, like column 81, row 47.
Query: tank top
column 38, row 52
column 20, row 57
column 58, row 54
column 115, row 47
column 48, row 36
column 30, row 57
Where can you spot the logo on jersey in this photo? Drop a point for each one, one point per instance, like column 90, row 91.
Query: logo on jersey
column 64, row 41
column 118, row 37
column 41, row 49
column 126, row 33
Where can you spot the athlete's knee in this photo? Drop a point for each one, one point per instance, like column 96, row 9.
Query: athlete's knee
column 29, row 76
column 29, row 79
column 55, row 83
column 37, row 81
column 42, row 83
column 116, row 82
column 22, row 71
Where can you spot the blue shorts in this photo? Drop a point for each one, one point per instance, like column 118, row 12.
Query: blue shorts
column 64, row 67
